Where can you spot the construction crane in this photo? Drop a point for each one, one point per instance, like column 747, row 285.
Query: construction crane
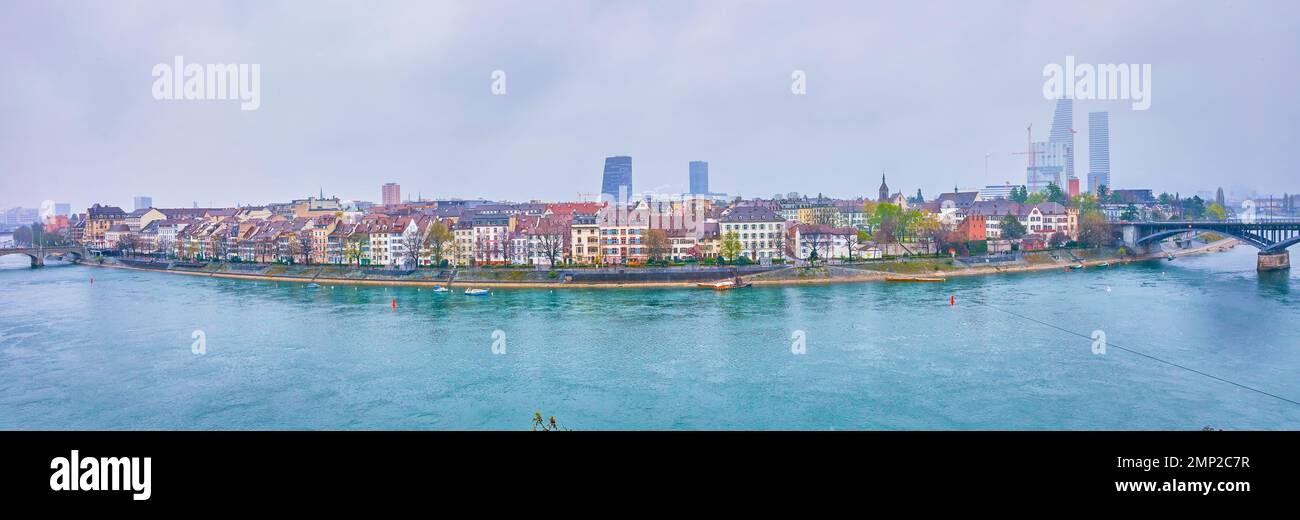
column 1029, row 150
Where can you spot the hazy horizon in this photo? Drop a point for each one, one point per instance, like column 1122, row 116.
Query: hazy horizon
column 357, row 95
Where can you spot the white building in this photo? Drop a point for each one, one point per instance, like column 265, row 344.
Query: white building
column 761, row 231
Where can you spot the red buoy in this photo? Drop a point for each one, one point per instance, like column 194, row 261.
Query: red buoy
column 394, row 303
column 952, row 300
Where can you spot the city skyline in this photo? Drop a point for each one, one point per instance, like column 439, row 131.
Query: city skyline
column 82, row 113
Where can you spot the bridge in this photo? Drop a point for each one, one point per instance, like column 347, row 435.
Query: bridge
column 1271, row 237
column 38, row 254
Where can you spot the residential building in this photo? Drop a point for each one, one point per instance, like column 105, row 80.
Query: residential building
column 826, row 241
column 391, row 194
column 116, row 236
column 974, row 227
column 491, row 239
column 98, row 221
column 622, row 233
column 760, row 230
column 584, row 239
column 138, row 219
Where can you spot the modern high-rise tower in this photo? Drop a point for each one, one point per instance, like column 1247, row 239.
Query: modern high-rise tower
column 142, row 202
column 616, row 184
column 392, row 194
column 1052, row 161
column 1099, row 151
column 699, row 177
column 1063, row 132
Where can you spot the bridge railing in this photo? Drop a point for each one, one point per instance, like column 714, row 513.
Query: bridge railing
column 1283, row 221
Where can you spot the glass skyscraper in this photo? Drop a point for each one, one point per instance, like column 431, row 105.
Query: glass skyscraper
column 1099, row 150
column 699, row 177
column 1062, row 132
column 616, row 184
column 1055, row 156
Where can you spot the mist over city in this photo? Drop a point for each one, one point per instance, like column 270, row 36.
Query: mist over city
column 353, row 96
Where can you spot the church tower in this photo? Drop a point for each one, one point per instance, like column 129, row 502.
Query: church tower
column 884, row 188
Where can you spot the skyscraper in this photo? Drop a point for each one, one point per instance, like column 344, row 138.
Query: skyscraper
column 392, row 194
column 1098, row 151
column 143, row 202
column 1063, row 132
column 616, row 184
column 1052, row 161
column 699, row 177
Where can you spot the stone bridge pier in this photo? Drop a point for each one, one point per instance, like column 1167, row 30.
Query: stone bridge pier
column 1274, row 260
column 1131, row 236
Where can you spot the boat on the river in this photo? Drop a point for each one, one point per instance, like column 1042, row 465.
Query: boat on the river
column 1076, row 267
column 914, row 279
column 725, row 285
column 440, row 289
column 476, row 292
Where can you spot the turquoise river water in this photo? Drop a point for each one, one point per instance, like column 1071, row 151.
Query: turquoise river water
column 120, row 353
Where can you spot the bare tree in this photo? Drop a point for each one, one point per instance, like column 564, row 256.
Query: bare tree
column 413, row 243
column 657, row 244
column 552, row 244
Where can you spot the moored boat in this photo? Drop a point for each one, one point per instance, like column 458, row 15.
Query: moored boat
column 476, row 292
column 724, row 285
column 914, row 279
column 440, row 289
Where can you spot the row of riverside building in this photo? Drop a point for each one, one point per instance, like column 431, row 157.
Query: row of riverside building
column 477, row 232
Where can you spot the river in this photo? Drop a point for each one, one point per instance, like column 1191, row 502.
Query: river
column 119, row 353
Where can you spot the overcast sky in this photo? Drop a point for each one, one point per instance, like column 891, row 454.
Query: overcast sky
column 357, row 94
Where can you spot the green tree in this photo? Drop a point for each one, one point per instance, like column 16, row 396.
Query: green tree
column 730, row 248
column 885, row 222
column 437, row 240
column 1094, row 231
column 1037, row 197
column 1053, row 193
column 1086, row 202
column 1019, row 194
column 1216, row 212
column 1011, row 227
column 353, row 253
column 1130, row 213
column 1194, row 208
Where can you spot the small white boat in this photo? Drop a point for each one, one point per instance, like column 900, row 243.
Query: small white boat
column 724, row 285
column 440, row 289
column 313, row 285
column 476, row 292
